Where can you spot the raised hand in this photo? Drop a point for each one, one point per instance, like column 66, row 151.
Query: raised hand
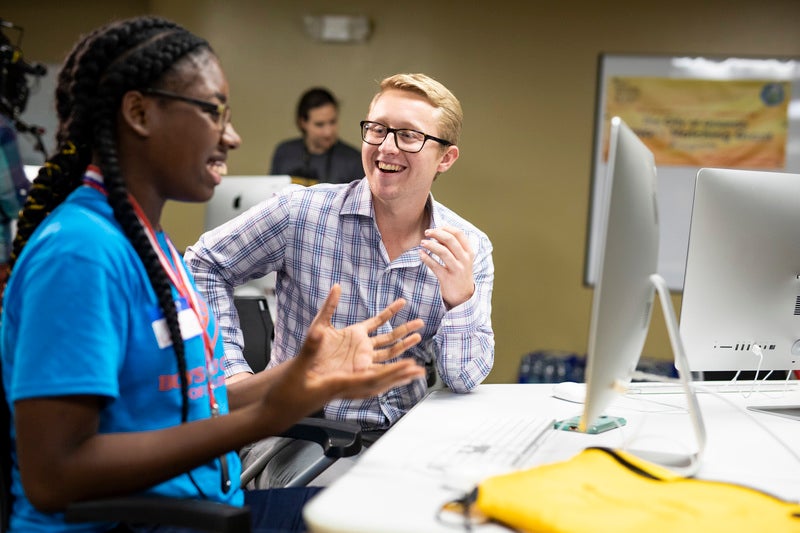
column 454, row 268
column 344, row 363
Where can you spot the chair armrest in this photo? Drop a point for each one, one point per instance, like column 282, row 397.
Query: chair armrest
column 202, row 515
column 337, row 438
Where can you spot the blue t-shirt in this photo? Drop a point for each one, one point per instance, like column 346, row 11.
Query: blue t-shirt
column 81, row 318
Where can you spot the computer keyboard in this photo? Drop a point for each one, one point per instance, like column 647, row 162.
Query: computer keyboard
column 503, row 443
column 738, row 386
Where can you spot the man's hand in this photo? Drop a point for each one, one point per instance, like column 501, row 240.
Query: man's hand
column 454, row 268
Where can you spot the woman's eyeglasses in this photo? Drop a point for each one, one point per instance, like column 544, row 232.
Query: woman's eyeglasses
column 219, row 112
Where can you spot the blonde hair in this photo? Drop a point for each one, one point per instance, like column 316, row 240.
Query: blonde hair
column 437, row 94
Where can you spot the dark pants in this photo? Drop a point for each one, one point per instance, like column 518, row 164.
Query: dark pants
column 271, row 511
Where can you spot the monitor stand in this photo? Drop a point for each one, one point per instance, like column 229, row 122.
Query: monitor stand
column 682, row 464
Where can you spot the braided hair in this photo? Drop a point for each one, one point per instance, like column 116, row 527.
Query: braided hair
column 131, row 54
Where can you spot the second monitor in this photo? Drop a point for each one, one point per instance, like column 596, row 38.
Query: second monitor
column 741, row 298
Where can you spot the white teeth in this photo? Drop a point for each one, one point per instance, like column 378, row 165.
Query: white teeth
column 220, row 167
column 389, row 168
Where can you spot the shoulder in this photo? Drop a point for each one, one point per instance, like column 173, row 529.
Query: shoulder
column 317, row 201
column 321, row 194
column 344, row 148
column 83, row 228
column 444, row 216
column 290, row 145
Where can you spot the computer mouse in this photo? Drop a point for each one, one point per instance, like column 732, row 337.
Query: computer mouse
column 570, row 391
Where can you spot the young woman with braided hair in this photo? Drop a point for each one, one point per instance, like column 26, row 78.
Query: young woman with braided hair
column 110, row 358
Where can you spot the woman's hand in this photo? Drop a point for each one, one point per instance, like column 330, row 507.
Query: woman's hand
column 352, row 350
column 343, row 363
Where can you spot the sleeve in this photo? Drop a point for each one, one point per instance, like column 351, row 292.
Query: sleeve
column 85, row 316
column 465, row 339
column 245, row 248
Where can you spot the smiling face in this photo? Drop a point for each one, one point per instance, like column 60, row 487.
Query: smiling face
column 395, row 175
column 188, row 145
column 321, row 128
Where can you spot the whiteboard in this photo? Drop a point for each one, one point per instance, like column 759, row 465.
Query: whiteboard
column 676, row 183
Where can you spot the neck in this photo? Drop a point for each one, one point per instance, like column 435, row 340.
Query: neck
column 144, row 193
column 401, row 230
column 151, row 204
column 151, row 208
column 313, row 150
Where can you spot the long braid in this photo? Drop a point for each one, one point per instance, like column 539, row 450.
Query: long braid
column 129, row 55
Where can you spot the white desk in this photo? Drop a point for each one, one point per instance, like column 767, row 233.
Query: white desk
column 387, row 490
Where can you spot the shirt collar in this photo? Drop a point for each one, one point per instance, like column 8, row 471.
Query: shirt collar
column 359, row 202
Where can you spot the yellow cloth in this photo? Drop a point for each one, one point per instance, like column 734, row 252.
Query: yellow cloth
column 601, row 490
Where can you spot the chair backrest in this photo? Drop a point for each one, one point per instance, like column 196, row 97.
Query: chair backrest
column 257, row 329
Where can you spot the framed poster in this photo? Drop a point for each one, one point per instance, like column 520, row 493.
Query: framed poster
column 693, row 112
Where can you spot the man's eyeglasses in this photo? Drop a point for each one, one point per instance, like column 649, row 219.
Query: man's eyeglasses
column 219, row 112
column 406, row 140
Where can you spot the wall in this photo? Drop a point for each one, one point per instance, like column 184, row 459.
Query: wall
column 525, row 75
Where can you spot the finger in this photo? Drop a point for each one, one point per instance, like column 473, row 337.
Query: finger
column 325, row 313
column 446, row 253
column 388, row 312
column 462, row 239
column 436, row 267
column 321, row 321
column 379, row 380
column 396, row 349
column 386, row 339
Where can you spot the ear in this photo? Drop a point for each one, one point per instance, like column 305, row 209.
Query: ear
column 134, row 111
column 449, row 157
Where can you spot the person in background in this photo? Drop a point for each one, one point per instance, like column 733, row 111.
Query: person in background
column 318, row 155
column 111, row 360
column 13, row 99
column 381, row 237
column 11, row 171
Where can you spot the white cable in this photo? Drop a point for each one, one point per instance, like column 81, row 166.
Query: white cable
column 756, row 350
column 655, row 377
column 755, row 419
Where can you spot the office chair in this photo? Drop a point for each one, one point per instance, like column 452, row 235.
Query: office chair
column 338, row 439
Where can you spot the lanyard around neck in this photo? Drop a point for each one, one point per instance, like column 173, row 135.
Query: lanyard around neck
column 178, row 277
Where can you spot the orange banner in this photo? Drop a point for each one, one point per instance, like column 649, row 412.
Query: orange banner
column 704, row 123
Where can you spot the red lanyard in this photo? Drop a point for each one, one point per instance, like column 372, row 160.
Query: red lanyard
column 179, row 278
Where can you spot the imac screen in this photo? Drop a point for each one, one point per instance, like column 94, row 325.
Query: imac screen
column 234, row 196
column 237, row 194
column 624, row 293
column 742, row 285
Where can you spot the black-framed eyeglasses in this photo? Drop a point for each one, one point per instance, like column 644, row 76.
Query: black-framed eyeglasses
column 412, row 141
column 219, row 112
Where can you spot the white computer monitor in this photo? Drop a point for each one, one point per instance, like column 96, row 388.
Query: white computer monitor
column 625, row 290
column 742, row 285
column 234, row 196
column 237, row 194
column 623, row 295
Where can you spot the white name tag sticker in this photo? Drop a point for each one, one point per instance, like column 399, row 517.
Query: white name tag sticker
column 190, row 325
